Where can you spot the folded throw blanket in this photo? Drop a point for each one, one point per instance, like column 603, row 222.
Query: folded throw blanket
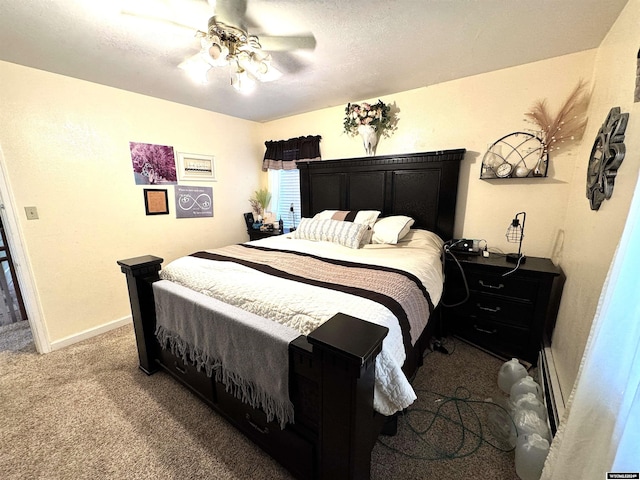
column 219, row 338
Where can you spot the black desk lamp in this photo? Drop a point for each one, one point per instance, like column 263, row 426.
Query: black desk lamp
column 515, row 234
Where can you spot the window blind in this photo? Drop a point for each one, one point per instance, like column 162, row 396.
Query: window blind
column 288, row 194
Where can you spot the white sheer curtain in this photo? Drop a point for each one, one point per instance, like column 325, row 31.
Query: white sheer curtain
column 600, row 431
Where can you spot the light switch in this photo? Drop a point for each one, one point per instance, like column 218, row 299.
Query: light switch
column 32, row 213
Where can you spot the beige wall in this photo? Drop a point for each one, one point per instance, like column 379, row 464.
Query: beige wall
column 66, row 151
column 591, row 237
column 472, row 113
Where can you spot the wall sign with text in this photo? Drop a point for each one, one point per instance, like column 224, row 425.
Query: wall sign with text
column 193, row 202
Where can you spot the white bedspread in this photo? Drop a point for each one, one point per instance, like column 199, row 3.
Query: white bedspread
column 304, row 307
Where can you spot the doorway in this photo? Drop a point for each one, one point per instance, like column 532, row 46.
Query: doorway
column 12, row 308
column 18, row 272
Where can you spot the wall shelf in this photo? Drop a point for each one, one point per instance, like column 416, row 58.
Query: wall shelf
column 516, row 155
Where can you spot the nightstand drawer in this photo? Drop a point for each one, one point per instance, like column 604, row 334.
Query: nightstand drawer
column 501, row 339
column 516, row 287
column 498, row 309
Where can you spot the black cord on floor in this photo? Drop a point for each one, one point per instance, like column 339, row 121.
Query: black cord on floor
column 446, row 346
column 460, row 401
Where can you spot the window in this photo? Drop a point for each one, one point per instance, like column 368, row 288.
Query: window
column 284, row 186
column 280, row 160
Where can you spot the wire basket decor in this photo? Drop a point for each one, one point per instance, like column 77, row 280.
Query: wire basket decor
column 516, row 155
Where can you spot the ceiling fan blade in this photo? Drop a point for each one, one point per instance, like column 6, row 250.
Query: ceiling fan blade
column 288, row 63
column 157, row 18
column 272, row 74
column 231, row 12
column 287, row 43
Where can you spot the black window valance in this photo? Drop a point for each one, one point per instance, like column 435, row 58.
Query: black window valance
column 283, row 154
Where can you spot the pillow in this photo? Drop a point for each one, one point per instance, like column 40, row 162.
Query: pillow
column 366, row 217
column 391, row 229
column 348, row 234
column 424, row 239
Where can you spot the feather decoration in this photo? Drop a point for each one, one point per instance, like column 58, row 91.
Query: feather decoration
column 568, row 124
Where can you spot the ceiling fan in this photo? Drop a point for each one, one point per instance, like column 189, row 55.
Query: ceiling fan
column 227, row 42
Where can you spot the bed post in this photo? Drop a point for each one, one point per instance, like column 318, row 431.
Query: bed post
column 346, row 348
column 141, row 272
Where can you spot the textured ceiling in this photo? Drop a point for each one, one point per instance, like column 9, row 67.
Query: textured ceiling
column 364, row 49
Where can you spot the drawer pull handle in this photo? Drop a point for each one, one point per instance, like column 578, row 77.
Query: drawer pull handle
column 488, row 285
column 179, row 368
column 488, row 309
column 484, row 330
column 264, row 430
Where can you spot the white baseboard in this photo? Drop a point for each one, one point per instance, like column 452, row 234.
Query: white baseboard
column 550, row 384
column 92, row 332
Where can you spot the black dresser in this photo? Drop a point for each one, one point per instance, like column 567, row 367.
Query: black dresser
column 509, row 315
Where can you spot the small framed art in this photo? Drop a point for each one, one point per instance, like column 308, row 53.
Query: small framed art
column 156, row 202
column 196, row 167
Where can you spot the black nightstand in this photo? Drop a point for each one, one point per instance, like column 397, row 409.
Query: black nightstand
column 257, row 234
column 510, row 316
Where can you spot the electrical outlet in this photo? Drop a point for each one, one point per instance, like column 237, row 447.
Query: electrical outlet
column 32, row 213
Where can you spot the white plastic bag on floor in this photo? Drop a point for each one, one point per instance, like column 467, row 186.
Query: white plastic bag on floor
column 500, row 422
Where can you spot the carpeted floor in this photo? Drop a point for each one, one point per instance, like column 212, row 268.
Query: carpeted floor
column 16, row 336
column 88, row 412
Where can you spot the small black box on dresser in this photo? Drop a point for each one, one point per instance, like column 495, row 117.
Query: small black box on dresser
column 508, row 312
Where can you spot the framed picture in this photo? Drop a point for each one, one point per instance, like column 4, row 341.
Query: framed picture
column 153, row 164
column 195, row 167
column 156, row 202
column 194, row 202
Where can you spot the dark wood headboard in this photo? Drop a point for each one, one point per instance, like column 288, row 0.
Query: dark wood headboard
column 421, row 185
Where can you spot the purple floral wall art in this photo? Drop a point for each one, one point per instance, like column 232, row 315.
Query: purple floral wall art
column 153, row 164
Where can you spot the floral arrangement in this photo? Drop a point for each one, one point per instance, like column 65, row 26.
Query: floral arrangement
column 260, row 201
column 567, row 125
column 378, row 115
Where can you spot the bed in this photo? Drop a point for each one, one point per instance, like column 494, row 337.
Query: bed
column 345, row 378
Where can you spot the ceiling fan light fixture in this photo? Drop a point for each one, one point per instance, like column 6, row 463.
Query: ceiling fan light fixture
column 242, row 82
column 214, row 51
column 241, row 79
column 242, row 60
column 219, row 55
column 253, row 42
column 214, row 47
column 196, row 68
column 224, row 44
column 261, row 67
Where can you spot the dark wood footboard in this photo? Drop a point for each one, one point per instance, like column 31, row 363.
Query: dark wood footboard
column 331, row 385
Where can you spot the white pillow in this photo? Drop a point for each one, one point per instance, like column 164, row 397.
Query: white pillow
column 348, row 234
column 391, row 229
column 366, row 217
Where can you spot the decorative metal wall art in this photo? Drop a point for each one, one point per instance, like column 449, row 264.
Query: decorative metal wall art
column 606, row 157
column 517, row 155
